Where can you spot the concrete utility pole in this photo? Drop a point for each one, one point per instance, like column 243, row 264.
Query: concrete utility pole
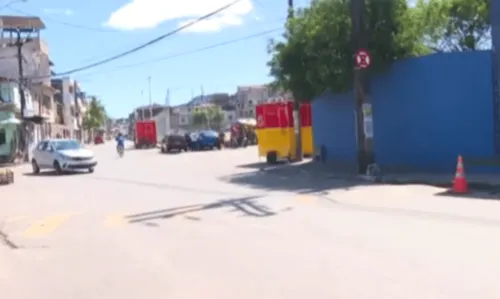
column 359, row 39
column 21, row 85
column 296, row 107
column 150, row 99
column 77, row 111
column 169, row 111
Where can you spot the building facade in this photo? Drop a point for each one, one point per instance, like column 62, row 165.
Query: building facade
column 247, row 97
column 10, row 129
column 36, row 67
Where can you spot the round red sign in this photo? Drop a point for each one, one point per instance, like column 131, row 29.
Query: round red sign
column 363, row 59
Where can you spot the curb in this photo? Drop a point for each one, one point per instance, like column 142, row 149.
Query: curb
column 473, row 185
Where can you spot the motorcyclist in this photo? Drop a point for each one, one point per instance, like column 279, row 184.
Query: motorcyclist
column 120, row 141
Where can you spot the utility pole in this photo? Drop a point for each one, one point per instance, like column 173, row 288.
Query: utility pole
column 359, row 41
column 169, row 111
column 77, row 110
column 150, row 99
column 142, row 109
column 21, row 84
column 296, row 106
column 202, row 103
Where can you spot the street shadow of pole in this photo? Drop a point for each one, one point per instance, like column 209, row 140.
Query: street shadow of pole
column 247, row 205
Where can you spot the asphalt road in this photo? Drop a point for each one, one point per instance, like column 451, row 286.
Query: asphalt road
column 209, row 225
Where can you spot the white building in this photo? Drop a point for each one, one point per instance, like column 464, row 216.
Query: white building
column 36, row 65
column 70, row 95
column 247, row 97
column 184, row 113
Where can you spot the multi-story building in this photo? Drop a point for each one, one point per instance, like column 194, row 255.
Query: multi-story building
column 184, row 113
column 10, row 107
column 247, row 97
column 73, row 104
column 36, row 67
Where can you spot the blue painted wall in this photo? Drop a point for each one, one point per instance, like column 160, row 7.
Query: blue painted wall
column 334, row 128
column 426, row 111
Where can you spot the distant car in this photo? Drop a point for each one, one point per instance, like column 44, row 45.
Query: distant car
column 207, row 140
column 98, row 139
column 174, row 142
column 62, row 155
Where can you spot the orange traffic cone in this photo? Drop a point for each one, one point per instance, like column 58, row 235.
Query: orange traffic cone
column 460, row 182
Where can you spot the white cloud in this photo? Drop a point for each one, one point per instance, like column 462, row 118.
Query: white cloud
column 146, row 14
column 58, row 11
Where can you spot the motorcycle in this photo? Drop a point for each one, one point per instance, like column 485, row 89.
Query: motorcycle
column 121, row 151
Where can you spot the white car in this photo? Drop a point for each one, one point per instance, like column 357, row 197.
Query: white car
column 62, row 155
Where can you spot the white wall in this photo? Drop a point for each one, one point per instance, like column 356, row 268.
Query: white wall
column 69, row 103
column 10, row 93
column 35, row 62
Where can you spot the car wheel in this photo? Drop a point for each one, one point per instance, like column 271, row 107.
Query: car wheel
column 35, row 167
column 272, row 158
column 57, row 167
column 91, row 169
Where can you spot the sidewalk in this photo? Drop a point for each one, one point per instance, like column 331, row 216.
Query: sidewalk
column 482, row 182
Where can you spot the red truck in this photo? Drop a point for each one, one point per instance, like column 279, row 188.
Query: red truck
column 145, row 134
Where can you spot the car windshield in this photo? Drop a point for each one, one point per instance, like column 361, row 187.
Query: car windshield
column 66, row 145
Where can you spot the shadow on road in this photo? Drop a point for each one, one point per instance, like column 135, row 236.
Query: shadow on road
column 314, row 177
column 54, row 173
column 301, row 178
column 259, row 165
column 248, row 206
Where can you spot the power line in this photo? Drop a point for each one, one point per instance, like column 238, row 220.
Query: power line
column 96, row 29
column 221, row 44
column 151, row 42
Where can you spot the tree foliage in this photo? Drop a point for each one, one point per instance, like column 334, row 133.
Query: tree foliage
column 455, row 25
column 211, row 117
column 95, row 116
column 316, row 51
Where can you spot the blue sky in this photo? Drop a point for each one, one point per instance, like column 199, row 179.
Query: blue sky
column 79, row 33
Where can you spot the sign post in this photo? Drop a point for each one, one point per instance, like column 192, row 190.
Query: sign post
column 363, row 59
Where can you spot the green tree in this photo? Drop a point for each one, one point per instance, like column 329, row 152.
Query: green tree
column 200, row 117
column 316, row 51
column 209, row 118
column 216, row 117
column 95, row 116
column 455, row 25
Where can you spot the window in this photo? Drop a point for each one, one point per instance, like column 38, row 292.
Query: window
column 6, row 92
column 42, row 146
column 67, row 145
column 3, row 137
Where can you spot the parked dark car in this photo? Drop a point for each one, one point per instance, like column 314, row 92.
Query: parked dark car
column 174, row 142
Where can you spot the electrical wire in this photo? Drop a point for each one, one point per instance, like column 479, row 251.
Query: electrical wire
column 95, row 29
column 145, row 45
column 209, row 47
